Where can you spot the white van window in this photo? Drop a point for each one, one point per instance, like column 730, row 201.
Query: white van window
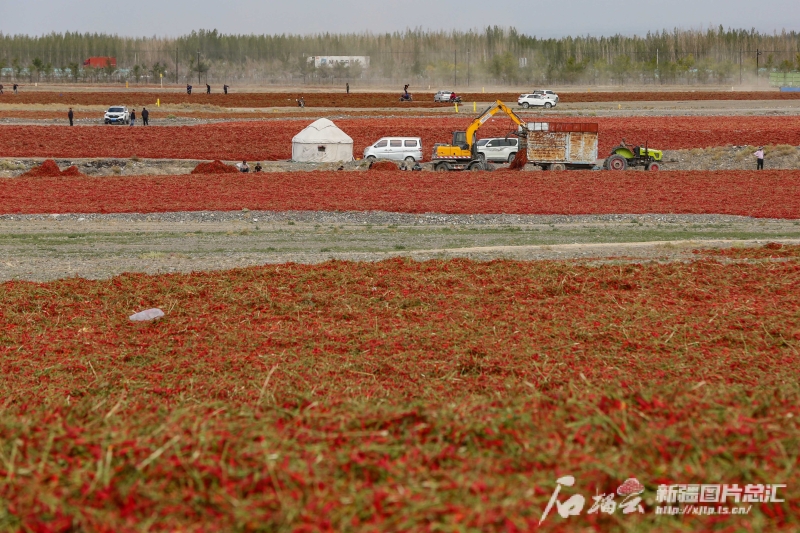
column 411, row 144
column 395, row 143
column 491, row 144
column 381, row 144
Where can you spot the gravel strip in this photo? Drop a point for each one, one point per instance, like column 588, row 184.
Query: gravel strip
column 385, row 218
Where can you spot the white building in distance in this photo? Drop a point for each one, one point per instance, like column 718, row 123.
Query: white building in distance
column 329, row 61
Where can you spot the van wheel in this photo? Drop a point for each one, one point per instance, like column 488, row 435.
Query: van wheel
column 548, row 105
column 525, row 105
column 410, row 159
column 511, row 156
column 370, row 158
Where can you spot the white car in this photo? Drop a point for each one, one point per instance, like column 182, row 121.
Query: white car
column 503, row 149
column 535, row 100
column 407, row 149
column 117, row 114
column 442, row 96
column 547, row 94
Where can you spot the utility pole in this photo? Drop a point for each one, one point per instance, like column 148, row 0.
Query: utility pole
column 198, row 67
column 758, row 53
column 455, row 68
column 467, row 67
column 176, row 65
column 740, row 66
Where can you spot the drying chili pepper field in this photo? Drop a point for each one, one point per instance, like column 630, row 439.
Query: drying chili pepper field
column 766, row 194
column 400, row 396
column 271, row 140
column 646, row 380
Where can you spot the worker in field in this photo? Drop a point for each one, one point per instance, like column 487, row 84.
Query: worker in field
column 70, row 115
column 188, row 89
column 243, row 167
column 301, row 102
column 258, row 167
column 208, row 89
column 15, row 88
column 347, row 85
column 225, row 89
column 133, row 117
column 759, row 158
column 1, row 88
column 145, row 117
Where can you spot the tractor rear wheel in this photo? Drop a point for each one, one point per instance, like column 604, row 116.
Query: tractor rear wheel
column 617, row 162
column 475, row 166
column 653, row 166
column 442, row 167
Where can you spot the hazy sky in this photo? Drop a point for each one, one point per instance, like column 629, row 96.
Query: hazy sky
column 551, row 18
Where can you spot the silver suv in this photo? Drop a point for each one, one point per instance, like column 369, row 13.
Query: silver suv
column 117, row 115
column 500, row 149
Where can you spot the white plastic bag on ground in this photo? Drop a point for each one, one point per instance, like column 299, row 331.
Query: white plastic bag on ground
column 148, row 314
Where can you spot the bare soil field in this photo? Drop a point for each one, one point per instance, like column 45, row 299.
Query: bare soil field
column 368, row 100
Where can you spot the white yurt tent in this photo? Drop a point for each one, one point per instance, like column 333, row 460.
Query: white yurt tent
column 322, row 142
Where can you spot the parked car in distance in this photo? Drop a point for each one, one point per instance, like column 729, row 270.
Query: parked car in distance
column 442, row 96
column 499, row 149
column 117, row 115
column 547, row 94
column 535, row 100
column 407, row 149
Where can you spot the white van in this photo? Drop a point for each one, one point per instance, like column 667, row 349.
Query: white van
column 396, row 148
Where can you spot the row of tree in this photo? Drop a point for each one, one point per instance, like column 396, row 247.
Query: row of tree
column 494, row 55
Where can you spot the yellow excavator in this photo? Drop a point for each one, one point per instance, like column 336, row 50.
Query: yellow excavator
column 462, row 153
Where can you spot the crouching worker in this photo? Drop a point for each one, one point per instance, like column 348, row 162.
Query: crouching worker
column 243, row 167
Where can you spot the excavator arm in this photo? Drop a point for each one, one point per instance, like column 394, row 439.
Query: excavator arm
column 486, row 115
column 462, row 150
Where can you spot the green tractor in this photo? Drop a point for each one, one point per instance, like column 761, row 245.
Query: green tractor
column 623, row 157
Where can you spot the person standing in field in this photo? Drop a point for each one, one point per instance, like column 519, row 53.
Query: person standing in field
column 347, row 86
column 133, row 117
column 70, row 116
column 145, row 116
column 15, row 88
column 1, row 88
column 208, row 89
column 225, row 89
column 759, row 158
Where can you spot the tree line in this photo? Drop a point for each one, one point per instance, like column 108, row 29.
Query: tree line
column 494, row 55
